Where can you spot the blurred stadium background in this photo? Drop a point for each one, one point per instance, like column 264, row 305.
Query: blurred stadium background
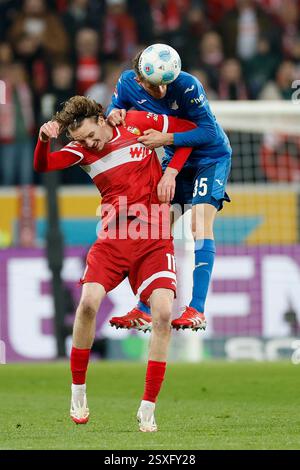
column 247, row 55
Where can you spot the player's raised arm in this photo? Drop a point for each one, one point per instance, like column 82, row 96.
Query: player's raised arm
column 156, row 137
column 117, row 117
column 44, row 160
column 49, row 130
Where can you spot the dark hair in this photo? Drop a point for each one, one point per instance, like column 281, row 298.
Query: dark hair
column 75, row 110
column 136, row 64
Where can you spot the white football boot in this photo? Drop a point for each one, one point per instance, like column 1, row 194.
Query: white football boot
column 79, row 411
column 145, row 417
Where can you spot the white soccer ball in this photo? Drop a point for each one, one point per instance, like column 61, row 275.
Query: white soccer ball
column 159, row 64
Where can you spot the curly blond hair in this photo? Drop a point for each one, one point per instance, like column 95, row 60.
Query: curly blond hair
column 75, row 110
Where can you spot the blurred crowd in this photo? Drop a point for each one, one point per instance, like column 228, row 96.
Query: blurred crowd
column 53, row 49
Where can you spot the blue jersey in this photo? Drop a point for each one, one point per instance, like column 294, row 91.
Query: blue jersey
column 186, row 99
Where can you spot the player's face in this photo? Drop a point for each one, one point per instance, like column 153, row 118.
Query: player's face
column 92, row 135
column 157, row 91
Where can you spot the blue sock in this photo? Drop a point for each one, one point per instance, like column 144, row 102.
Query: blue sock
column 205, row 251
column 143, row 307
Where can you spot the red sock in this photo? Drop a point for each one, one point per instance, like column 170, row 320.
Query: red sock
column 154, row 378
column 79, row 363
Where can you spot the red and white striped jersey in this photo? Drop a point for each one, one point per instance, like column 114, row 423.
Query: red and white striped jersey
column 124, row 167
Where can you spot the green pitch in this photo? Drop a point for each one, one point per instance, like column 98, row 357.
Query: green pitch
column 211, row 405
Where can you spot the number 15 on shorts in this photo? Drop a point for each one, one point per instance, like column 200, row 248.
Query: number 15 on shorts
column 200, row 188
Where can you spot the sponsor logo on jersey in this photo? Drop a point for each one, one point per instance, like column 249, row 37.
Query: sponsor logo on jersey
column 219, row 182
column 200, row 100
column 141, row 101
column 174, row 105
column 152, row 116
column 139, row 152
column 189, row 89
column 134, row 130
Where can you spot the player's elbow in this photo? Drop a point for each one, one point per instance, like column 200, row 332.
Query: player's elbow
column 37, row 163
column 38, row 167
column 211, row 134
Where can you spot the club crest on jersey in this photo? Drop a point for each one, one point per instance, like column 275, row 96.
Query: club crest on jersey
column 134, row 130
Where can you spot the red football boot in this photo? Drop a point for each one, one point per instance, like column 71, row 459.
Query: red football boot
column 190, row 318
column 135, row 319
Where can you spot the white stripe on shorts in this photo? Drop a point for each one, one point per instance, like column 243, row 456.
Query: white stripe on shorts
column 152, row 278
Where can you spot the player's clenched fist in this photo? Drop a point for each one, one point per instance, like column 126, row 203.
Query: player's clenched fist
column 117, row 117
column 49, row 130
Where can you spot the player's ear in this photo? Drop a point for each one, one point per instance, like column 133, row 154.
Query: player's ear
column 101, row 120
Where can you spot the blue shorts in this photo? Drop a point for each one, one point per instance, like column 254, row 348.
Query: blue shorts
column 203, row 185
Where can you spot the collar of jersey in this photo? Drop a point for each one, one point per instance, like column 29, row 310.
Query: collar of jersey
column 116, row 135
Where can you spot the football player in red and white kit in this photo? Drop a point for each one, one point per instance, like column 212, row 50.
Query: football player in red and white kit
column 122, row 169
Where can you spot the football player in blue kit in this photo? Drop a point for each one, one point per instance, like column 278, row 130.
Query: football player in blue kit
column 200, row 184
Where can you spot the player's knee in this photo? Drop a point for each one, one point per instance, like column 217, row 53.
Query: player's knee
column 161, row 317
column 87, row 308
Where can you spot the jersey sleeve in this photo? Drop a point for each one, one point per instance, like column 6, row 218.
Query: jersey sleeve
column 118, row 99
column 180, row 126
column 44, row 160
column 144, row 120
column 165, row 124
column 196, row 108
